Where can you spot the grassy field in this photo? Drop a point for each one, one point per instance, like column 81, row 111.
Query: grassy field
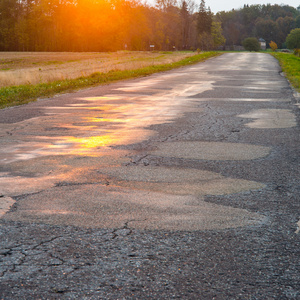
column 290, row 65
column 25, row 77
column 18, row 68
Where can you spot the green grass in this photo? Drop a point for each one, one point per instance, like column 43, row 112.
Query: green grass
column 18, row 95
column 290, row 65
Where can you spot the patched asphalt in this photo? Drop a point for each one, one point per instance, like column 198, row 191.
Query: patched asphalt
column 184, row 185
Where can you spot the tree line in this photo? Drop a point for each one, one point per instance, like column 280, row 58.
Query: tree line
column 270, row 22
column 105, row 25
column 110, row 25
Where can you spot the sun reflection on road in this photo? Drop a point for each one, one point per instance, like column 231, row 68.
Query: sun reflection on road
column 95, row 124
column 101, row 119
column 92, row 142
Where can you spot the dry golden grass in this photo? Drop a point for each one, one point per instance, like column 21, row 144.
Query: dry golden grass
column 18, row 68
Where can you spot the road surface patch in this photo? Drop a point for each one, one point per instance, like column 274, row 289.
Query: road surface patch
column 5, row 204
column 47, row 171
column 111, row 207
column 271, row 118
column 211, row 150
column 177, row 181
column 16, row 185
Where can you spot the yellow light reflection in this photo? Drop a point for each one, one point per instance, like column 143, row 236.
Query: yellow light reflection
column 92, row 142
column 104, row 107
column 99, row 119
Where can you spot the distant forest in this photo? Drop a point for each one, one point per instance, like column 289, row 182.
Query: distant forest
column 111, row 25
column 270, row 22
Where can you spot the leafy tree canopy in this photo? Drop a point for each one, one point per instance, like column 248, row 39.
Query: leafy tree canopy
column 293, row 39
column 110, row 25
column 270, row 22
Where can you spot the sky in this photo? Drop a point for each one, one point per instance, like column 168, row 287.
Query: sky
column 227, row 5
column 219, row 5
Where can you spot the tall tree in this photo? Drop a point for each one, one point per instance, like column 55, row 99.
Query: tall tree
column 185, row 23
column 285, row 25
column 204, row 19
column 10, row 13
column 216, row 32
column 266, row 29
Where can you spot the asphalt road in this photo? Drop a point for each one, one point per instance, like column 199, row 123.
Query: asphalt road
column 184, row 185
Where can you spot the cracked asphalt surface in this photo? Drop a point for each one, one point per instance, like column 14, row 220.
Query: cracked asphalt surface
column 182, row 185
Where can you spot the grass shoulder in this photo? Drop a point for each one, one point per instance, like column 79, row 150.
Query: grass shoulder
column 290, row 65
column 22, row 94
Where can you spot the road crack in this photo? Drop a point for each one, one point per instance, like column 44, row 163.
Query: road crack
column 16, row 257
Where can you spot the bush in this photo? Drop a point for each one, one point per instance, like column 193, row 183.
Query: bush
column 251, row 44
column 297, row 52
column 293, row 39
column 273, row 46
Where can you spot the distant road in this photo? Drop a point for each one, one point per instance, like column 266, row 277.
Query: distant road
column 182, row 184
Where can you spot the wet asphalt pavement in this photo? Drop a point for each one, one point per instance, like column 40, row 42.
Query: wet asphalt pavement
column 182, row 185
